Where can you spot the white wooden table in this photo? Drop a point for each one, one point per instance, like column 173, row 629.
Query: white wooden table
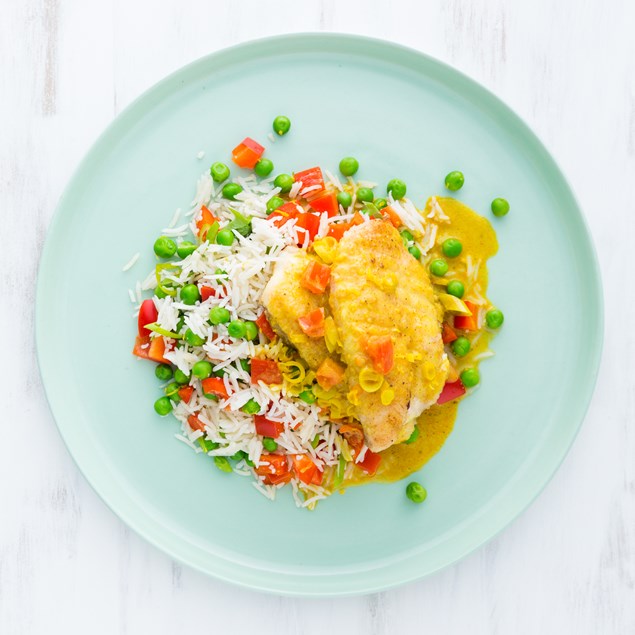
column 68, row 565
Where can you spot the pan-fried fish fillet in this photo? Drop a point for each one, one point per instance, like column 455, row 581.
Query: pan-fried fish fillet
column 378, row 288
column 285, row 300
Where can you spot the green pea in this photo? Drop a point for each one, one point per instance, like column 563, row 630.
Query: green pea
column 160, row 293
column 456, row 288
column 281, row 125
column 164, row 247
column 237, row 329
column 454, row 181
column 263, row 167
column 494, row 318
column 223, row 464
column 414, row 251
column 461, row 346
column 307, row 396
column 172, row 391
column 349, row 165
column 202, row 369
column 438, row 267
column 163, row 372
column 180, row 377
column 251, row 331
column 470, row 377
column 365, row 194
column 500, row 207
column 414, row 436
column 193, row 339
column 163, row 406
column 274, row 203
column 344, row 199
column 269, row 444
column 406, row 236
column 225, row 237
column 190, row 294
column 452, row 247
column 284, row 182
column 185, row 249
column 416, row 492
column 252, row 407
column 219, row 172
column 231, row 190
column 245, row 364
column 219, row 315
column 380, row 203
column 397, row 187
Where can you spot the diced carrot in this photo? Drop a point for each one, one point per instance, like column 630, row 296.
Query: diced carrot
column 318, row 476
column 195, row 423
column 247, row 153
column 448, row 334
column 353, row 434
column 148, row 314
column 467, row 322
column 358, row 219
column 141, row 346
column 337, row 230
column 265, row 328
column 329, row 374
column 316, row 277
column 370, row 463
column 265, row 370
column 451, row 390
column 268, row 428
column 214, row 386
column 185, row 393
column 157, row 350
column 392, row 216
column 326, row 203
column 381, row 352
column 312, row 324
column 304, row 467
column 272, row 464
column 277, row 479
column 310, row 178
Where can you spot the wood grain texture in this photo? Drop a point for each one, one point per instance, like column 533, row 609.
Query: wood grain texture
column 67, row 564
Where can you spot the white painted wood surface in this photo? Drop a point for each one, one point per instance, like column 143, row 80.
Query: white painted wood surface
column 68, row 565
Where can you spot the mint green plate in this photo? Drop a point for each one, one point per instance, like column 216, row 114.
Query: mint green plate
column 402, row 115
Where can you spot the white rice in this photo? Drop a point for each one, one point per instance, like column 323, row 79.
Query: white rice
column 131, row 263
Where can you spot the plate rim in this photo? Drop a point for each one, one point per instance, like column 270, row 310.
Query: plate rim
column 137, row 525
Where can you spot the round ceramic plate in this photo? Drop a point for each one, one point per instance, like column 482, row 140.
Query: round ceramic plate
column 402, row 115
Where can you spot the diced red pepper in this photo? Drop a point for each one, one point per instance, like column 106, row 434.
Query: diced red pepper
column 327, row 203
column 247, row 153
column 195, row 423
column 214, row 386
column 276, row 479
column 272, row 465
column 307, row 223
column 337, row 230
column 316, row 277
column 207, row 292
column 265, row 370
column 310, row 178
column 265, row 328
column 156, row 351
column 467, row 322
column 451, row 390
column 370, row 463
column 318, row 476
column 285, row 213
column 329, row 374
column 185, row 393
column 381, row 352
column 448, row 334
column 268, row 428
column 148, row 314
column 141, row 346
column 312, row 324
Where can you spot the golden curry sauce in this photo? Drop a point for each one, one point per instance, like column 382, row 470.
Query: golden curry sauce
column 435, row 424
